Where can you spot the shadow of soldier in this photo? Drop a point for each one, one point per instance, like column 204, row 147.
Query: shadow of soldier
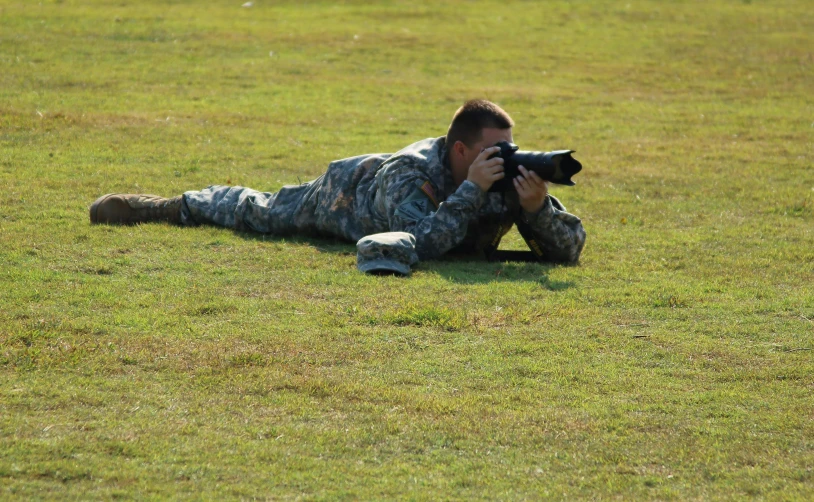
column 322, row 244
column 461, row 268
column 473, row 270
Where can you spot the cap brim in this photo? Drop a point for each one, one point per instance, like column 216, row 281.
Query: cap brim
column 392, row 266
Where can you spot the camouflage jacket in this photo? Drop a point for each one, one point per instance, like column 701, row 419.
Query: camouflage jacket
column 413, row 191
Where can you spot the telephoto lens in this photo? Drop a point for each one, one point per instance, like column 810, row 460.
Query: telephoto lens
column 557, row 166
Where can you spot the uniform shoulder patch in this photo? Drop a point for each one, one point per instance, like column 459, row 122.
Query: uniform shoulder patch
column 429, row 192
column 419, row 204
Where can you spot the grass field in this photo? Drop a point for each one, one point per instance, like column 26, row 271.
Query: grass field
column 675, row 362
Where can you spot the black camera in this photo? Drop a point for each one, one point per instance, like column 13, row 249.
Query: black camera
column 557, row 166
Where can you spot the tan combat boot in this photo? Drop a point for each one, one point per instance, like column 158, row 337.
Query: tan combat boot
column 129, row 209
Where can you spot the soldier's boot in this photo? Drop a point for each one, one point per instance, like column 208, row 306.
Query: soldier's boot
column 129, row 209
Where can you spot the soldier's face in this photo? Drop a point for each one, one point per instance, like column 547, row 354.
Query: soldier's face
column 491, row 137
column 462, row 156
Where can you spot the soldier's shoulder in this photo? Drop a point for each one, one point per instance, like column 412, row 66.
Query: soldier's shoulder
column 428, row 147
column 368, row 159
column 426, row 156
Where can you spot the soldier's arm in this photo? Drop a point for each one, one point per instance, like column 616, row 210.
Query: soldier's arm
column 438, row 227
column 551, row 233
column 558, row 235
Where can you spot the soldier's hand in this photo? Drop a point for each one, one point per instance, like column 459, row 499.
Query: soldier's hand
column 485, row 171
column 531, row 190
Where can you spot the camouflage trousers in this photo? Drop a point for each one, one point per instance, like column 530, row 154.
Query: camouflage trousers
column 291, row 210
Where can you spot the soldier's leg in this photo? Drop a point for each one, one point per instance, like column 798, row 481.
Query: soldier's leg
column 288, row 211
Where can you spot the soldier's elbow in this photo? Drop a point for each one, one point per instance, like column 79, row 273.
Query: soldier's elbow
column 569, row 251
column 577, row 246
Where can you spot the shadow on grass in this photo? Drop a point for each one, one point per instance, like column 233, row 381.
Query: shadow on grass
column 473, row 269
column 323, row 244
column 463, row 268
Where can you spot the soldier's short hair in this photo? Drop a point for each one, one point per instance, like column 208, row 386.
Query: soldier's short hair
column 472, row 118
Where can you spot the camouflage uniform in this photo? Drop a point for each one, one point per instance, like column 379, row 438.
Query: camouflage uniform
column 410, row 191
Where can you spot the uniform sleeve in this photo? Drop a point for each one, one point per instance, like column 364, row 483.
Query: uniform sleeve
column 437, row 229
column 559, row 234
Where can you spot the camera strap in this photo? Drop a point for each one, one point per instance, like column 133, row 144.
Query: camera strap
column 528, row 235
column 494, row 254
column 535, row 255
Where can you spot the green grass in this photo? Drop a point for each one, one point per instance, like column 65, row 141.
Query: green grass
column 675, row 362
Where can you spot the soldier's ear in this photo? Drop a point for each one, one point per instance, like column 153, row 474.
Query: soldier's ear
column 459, row 148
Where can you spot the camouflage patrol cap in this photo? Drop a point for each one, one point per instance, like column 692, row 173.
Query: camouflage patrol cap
column 387, row 252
